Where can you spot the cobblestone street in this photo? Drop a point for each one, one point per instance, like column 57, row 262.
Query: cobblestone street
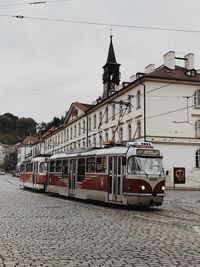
column 41, row 230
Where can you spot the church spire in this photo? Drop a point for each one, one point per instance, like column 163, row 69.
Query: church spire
column 111, row 54
column 111, row 74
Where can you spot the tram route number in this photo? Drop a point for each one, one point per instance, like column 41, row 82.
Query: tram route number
column 153, row 178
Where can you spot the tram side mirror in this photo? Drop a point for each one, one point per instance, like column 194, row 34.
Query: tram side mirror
column 123, row 161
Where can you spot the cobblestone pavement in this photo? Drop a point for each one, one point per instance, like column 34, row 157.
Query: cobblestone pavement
column 41, row 230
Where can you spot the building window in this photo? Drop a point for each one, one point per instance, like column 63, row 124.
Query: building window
column 67, row 134
column 89, row 142
column 89, row 124
column 106, row 137
column 120, row 109
column 84, row 126
column 198, row 158
column 138, row 99
column 139, row 129
column 100, row 140
column 197, row 99
column 74, row 130
column 129, row 103
column 197, row 129
column 83, row 143
column 129, row 132
column 71, row 133
column 113, row 111
column 106, row 111
column 95, row 121
column 95, row 141
column 113, row 136
column 79, row 128
column 121, row 134
column 100, row 117
column 64, row 135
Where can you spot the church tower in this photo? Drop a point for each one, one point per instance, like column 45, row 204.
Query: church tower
column 111, row 74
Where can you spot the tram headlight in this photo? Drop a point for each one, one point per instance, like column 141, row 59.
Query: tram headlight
column 142, row 187
column 163, row 188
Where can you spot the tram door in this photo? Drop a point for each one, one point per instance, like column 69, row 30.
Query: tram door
column 72, row 176
column 116, row 171
column 35, row 174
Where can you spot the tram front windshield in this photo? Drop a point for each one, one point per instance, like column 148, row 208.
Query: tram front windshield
column 145, row 165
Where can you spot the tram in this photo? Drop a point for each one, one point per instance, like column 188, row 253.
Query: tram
column 126, row 175
column 33, row 173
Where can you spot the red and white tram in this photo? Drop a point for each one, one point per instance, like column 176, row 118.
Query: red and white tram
column 128, row 175
column 33, row 173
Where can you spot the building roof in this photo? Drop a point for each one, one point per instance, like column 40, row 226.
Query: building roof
column 179, row 73
column 29, row 140
column 82, row 106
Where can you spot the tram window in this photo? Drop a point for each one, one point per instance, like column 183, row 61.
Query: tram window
column 101, row 164
column 65, row 170
column 81, row 170
column 22, row 168
column 43, row 167
column 58, row 165
column 29, row 167
column 52, row 166
column 90, row 165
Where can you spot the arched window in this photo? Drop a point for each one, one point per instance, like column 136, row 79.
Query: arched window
column 197, row 99
column 197, row 129
column 138, row 105
column 198, row 158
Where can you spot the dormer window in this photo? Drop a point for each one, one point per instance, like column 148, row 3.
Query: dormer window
column 191, row 73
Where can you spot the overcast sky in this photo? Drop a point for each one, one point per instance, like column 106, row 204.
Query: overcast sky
column 47, row 65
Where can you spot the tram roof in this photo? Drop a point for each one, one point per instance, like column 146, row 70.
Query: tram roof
column 92, row 152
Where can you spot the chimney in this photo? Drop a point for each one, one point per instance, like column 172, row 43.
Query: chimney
column 189, row 62
column 150, row 68
column 169, row 60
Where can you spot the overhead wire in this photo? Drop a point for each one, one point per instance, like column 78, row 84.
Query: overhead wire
column 33, row 3
column 100, row 23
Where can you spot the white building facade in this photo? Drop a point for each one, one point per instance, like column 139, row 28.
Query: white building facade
column 161, row 105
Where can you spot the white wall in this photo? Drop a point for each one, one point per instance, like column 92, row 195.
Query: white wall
column 182, row 156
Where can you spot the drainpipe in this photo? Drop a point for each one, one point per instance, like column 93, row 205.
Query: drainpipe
column 144, row 92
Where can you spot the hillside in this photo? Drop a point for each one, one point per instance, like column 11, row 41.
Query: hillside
column 14, row 129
